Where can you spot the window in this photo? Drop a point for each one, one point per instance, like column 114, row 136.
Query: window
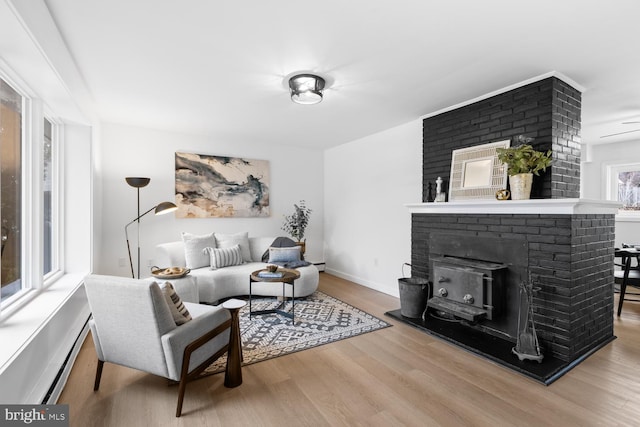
column 623, row 185
column 629, row 190
column 47, row 196
column 28, row 195
column 11, row 106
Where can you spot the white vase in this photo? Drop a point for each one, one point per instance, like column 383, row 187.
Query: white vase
column 521, row 186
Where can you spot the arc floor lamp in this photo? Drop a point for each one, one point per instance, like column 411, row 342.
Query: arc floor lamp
column 160, row 209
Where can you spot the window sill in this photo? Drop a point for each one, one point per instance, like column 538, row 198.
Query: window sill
column 20, row 324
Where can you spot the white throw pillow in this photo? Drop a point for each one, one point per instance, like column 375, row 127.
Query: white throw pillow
column 229, row 240
column 179, row 312
column 224, row 257
column 193, row 246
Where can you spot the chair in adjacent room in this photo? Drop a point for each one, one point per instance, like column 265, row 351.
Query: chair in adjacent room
column 627, row 274
column 135, row 324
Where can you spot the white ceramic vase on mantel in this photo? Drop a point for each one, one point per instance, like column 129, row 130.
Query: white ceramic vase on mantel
column 521, row 186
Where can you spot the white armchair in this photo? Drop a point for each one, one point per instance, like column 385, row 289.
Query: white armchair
column 133, row 326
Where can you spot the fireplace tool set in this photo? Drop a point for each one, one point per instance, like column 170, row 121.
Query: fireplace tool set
column 527, row 345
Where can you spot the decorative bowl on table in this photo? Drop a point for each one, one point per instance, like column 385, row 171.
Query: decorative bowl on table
column 169, row 272
column 272, row 268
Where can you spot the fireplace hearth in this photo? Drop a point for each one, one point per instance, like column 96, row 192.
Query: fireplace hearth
column 493, row 348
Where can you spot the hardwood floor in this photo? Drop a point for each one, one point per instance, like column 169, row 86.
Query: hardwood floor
column 394, row 376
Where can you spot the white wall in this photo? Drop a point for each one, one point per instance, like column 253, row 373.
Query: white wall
column 367, row 183
column 594, row 181
column 296, row 174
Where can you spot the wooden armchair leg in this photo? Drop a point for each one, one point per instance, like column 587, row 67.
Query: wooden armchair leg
column 96, row 384
column 186, row 358
column 182, row 388
column 184, row 377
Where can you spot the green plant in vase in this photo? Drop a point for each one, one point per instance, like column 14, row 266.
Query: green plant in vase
column 296, row 223
column 523, row 161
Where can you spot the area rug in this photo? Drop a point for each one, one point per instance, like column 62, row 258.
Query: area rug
column 319, row 319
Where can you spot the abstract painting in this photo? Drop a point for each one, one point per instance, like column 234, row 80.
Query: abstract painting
column 223, row 187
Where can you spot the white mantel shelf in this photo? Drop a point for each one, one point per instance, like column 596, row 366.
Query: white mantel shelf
column 524, row 207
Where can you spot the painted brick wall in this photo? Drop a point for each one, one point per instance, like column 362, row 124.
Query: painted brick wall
column 565, row 137
column 547, row 110
column 570, row 259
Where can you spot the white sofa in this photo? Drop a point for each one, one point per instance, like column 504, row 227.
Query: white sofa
column 213, row 285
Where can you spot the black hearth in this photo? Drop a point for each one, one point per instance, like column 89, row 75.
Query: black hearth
column 491, row 347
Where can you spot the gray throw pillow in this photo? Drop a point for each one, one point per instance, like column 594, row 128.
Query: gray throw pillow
column 280, row 242
column 284, row 254
column 193, row 249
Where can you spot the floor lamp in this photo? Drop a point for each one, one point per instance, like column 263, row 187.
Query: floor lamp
column 160, row 209
column 137, row 182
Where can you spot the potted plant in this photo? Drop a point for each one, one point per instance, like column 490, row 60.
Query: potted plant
column 523, row 161
column 296, row 223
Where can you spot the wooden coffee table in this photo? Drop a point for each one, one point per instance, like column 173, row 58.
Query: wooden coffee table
column 288, row 278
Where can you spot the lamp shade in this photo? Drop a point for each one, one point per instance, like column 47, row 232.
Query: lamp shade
column 165, row 207
column 306, row 88
column 137, row 182
column 160, row 209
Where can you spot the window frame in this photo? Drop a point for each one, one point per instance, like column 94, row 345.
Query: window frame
column 32, row 210
column 612, row 171
column 57, row 132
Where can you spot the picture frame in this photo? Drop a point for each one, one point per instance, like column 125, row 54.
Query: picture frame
column 476, row 172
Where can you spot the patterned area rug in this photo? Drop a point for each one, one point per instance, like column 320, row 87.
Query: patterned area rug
column 319, row 319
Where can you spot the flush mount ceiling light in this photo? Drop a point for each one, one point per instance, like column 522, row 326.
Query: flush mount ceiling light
column 306, row 88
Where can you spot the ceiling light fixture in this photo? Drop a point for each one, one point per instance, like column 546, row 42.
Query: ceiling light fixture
column 306, row 88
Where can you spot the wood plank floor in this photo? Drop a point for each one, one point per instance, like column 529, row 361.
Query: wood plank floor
column 391, row 377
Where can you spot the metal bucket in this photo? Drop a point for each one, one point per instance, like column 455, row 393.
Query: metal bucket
column 413, row 296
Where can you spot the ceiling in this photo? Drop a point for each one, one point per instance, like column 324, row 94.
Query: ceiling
column 218, row 68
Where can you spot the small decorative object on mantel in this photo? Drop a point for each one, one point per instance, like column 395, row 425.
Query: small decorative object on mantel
column 429, row 192
column 440, row 195
column 296, row 224
column 503, row 194
column 522, row 163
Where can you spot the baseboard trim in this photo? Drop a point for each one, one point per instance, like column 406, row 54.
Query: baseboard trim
column 393, row 291
column 63, row 374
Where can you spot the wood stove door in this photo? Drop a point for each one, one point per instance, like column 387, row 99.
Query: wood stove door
column 459, row 284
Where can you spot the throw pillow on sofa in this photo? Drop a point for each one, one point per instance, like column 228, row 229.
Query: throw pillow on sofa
column 284, row 254
column 224, row 257
column 230, row 240
column 193, row 246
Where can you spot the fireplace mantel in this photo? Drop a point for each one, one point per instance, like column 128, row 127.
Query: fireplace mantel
column 532, row 206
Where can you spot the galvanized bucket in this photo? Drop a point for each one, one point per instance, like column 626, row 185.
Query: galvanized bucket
column 414, row 292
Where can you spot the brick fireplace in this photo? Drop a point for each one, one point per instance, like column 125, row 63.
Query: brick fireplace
column 567, row 254
column 563, row 244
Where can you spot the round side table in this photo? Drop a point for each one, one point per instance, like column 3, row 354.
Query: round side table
column 288, row 277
